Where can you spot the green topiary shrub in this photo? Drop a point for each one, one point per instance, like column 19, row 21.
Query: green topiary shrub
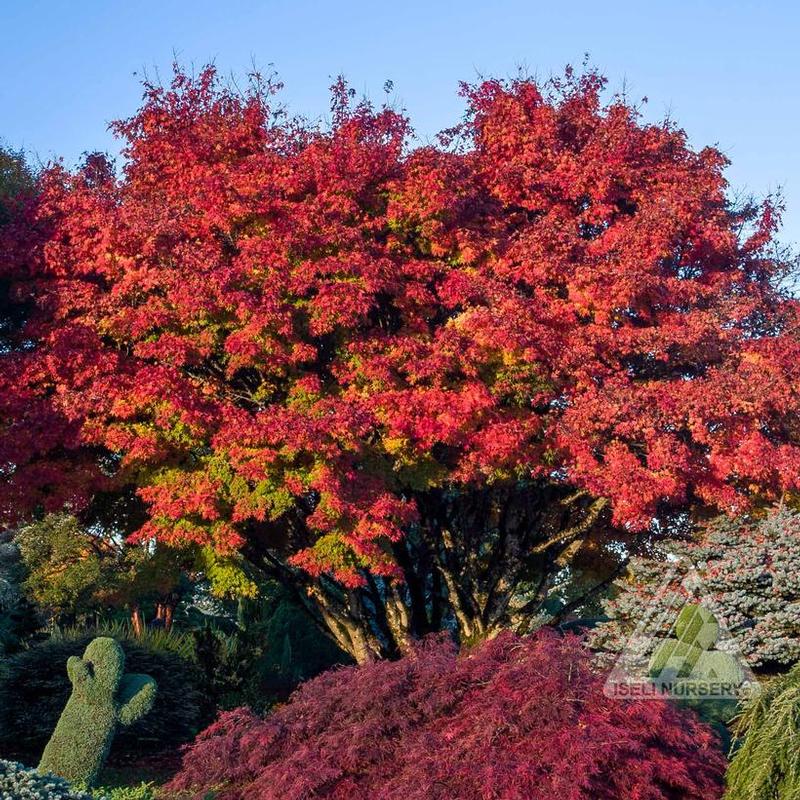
column 19, row 783
column 35, row 689
column 103, row 697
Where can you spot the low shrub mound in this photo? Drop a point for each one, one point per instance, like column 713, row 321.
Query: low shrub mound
column 35, row 688
column 518, row 719
column 19, row 783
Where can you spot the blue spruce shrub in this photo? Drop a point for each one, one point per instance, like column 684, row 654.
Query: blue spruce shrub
column 19, row 783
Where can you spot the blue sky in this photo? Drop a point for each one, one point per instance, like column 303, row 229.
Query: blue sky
column 728, row 72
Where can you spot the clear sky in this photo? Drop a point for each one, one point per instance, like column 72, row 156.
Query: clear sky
column 727, row 71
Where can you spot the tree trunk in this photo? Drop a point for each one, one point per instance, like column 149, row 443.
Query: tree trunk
column 136, row 621
column 476, row 563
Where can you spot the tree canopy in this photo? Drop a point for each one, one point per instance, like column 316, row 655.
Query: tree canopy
column 299, row 342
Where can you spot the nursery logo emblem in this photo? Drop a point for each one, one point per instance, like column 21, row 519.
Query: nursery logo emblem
column 681, row 649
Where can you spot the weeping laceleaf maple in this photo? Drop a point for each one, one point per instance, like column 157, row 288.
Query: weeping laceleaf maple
column 408, row 382
column 516, row 718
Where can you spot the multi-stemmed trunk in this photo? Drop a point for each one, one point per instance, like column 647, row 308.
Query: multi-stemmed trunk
column 475, row 563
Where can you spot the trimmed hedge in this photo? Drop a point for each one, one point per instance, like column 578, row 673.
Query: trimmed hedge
column 34, row 689
column 103, row 697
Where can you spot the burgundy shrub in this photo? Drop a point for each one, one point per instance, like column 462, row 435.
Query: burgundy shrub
column 514, row 719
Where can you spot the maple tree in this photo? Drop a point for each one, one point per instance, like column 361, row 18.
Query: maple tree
column 17, row 184
column 409, row 382
column 513, row 718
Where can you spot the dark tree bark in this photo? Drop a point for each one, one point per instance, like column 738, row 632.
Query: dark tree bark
column 475, row 563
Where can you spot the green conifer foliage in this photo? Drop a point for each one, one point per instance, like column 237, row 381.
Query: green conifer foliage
column 767, row 765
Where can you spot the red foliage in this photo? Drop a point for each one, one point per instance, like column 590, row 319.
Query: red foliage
column 515, row 719
column 260, row 311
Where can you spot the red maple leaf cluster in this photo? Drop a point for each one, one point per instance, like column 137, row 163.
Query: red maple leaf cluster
column 259, row 311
